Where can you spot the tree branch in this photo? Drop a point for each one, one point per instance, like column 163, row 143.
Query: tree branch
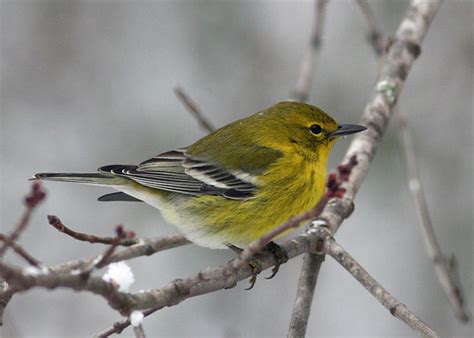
column 193, row 108
column 23, row 280
column 374, row 36
column 396, row 308
column 31, row 202
column 304, row 294
column 118, row 327
column 20, row 251
column 445, row 268
column 394, row 69
column 227, row 276
column 139, row 332
column 144, row 247
column 303, row 84
column 84, row 237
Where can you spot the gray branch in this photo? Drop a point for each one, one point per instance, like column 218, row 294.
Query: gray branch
column 144, row 247
column 206, row 281
column 446, row 269
column 393, row 72
column 303, row 84
column 374, row 37
column 396, row 308
column 304, row 294
column 193, row 108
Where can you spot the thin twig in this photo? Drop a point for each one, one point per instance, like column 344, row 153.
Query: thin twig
column 118, row 327
column 374, row 36
column 396, row 308
column 31, row 202
column 446, row 272
column 145, row 247
column 103, row 260
column 84, row 237
column 139, row 332
column 20, row 251
column 303, row 84
column 193, row 108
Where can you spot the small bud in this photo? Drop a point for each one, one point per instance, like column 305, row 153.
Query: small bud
column 120, row 231
column 36, row 195
column 36, row 186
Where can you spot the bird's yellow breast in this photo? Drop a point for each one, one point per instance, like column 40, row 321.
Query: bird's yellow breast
column 292, row 185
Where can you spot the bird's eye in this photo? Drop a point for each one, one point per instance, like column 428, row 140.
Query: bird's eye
column 315, row 129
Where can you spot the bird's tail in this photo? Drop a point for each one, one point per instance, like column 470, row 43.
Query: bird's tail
column 88, row 178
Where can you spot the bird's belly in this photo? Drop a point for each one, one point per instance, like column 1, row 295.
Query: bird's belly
column 215, row 221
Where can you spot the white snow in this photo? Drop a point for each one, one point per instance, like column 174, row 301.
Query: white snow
column 136, row 318
column 121, row 274
column 318, row 222
column 35, row 271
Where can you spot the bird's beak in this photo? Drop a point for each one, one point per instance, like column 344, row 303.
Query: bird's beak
column 346, row 129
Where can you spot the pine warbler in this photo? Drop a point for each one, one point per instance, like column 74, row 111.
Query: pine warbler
column 237, row 183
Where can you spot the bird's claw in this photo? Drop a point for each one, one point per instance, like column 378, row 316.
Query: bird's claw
column 256, row 268
column 280, row 255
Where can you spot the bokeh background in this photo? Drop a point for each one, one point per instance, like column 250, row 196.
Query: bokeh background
column 88, row 83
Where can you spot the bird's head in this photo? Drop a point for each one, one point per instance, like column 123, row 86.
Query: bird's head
column 291, row 126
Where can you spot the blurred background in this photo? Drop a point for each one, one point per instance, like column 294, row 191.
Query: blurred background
column 89, row 83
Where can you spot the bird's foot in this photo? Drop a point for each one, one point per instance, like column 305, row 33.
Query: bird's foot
column 256, row 268
column 280, row 255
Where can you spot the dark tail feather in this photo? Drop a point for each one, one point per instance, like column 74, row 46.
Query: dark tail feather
column 118, row 196
column 93, row 178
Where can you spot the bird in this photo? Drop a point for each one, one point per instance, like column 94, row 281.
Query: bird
column 235, row 184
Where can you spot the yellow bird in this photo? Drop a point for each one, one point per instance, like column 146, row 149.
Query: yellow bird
column 235, row 184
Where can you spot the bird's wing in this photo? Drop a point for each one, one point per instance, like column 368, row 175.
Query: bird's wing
column 178, row 171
